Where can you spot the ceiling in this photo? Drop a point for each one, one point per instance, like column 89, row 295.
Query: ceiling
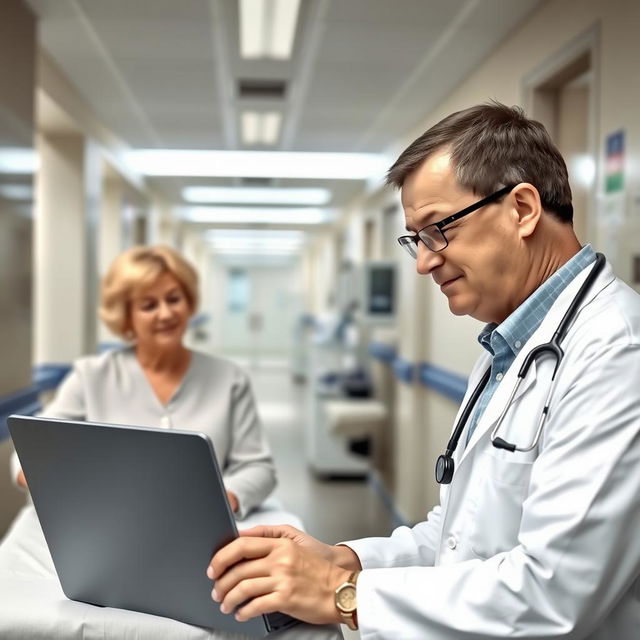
column 165, row 74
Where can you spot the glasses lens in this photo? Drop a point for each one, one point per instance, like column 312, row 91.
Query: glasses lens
column 407, row 243
column 433, row 238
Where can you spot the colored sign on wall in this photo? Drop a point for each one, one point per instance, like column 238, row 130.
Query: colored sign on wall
column 614, row 163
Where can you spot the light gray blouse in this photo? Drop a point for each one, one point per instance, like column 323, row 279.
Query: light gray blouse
column 215, row 398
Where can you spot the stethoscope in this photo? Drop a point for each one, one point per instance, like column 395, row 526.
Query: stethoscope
column 444, row 464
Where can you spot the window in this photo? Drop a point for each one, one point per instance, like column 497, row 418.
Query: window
column 238, row 290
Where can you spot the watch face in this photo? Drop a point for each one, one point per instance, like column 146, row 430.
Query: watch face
column 346, row 598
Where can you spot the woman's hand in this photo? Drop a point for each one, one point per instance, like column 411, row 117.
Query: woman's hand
column 21, row 480
column 234, row 503
column 257, row 575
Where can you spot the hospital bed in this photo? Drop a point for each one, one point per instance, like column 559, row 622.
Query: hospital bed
column 33, row 606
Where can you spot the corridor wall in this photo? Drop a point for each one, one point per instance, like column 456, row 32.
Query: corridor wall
column 17, row 70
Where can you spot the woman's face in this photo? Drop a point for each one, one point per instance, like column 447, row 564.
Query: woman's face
column 159, row 313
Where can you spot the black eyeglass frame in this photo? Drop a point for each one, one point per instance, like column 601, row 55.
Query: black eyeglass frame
column 441, row 224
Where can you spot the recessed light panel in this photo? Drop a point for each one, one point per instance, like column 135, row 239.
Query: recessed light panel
column 232, row 195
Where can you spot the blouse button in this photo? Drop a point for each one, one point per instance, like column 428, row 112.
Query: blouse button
column 165, row 422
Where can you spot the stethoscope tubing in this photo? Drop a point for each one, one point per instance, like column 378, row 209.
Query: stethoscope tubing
column 445, row 465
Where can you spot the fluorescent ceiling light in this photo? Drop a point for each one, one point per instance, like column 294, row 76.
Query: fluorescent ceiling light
column 258, row 164
column 244, row 259
column 252, row 28
column 254, row 215
column 18, row 161
column 262, row 251
column 267, row 28
column 291, row 235
column 260, row 128
column 271, row 127
column 233, row 195
column 250, row 126
column 283, row 28
column 252, row 247
column 252, row 240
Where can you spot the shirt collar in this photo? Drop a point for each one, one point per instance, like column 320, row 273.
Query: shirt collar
column 523, row 322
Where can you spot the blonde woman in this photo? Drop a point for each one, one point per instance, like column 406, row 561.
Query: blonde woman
column 147, row 298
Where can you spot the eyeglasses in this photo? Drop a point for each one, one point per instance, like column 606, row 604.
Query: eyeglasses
column 433, row 234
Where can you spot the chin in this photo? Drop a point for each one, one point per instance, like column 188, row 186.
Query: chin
column 461, row 307
column 457, row 307
column 168, row 341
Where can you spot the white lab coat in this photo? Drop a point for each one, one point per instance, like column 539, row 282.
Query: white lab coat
column 543, row 544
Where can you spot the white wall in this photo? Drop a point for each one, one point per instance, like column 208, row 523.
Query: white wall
column 18, row 35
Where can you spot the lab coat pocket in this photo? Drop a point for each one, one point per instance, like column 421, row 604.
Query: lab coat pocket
column 504, row 486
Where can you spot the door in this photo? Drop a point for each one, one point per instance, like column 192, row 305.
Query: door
column 260, row 312
column 563, row 103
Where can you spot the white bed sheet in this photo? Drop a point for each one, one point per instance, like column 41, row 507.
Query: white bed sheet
column 33, row 606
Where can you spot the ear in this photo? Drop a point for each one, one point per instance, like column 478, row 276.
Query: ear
column 527, row 208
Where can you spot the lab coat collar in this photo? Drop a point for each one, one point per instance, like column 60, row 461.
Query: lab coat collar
column 542, row 334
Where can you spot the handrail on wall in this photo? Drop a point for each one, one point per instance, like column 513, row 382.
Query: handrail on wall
column 26, row 401
column 382, row 351
column 450, row 384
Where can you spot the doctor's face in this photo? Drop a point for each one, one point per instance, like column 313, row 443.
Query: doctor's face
column 159, row 313
column 478, row 270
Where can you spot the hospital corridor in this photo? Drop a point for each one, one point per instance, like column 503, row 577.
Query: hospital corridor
column 356, row 510
column 319, row 319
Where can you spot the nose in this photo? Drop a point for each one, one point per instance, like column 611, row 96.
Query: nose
column 164, row 310
column 427, row 260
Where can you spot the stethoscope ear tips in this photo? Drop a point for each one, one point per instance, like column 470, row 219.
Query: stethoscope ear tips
column 444, row 469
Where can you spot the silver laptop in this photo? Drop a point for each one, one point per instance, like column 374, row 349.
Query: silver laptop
column 132, row 517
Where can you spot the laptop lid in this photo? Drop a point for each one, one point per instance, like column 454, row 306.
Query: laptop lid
column 132, row 516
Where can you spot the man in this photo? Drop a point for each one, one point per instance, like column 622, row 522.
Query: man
column 536, row 542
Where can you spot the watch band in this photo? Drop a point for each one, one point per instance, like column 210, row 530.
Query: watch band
column 350, row 617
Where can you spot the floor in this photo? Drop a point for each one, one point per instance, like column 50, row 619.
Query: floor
column 331, row 510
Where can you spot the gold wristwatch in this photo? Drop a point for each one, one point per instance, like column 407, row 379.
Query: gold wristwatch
column 345, row 599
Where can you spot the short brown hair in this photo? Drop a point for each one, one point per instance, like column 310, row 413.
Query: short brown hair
column 138, row 267
column 493, row 146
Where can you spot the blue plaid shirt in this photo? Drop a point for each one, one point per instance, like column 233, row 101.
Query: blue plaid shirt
column 505, row 340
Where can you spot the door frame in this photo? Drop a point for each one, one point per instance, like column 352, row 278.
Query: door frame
column 586, row 43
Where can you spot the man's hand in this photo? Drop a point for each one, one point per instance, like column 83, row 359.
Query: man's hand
column 336, row 554
column 263, row 575
column 233, row 501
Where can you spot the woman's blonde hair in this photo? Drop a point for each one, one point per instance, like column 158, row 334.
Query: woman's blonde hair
column 138, row 267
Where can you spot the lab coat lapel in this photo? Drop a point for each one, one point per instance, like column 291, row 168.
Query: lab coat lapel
column 542, row 335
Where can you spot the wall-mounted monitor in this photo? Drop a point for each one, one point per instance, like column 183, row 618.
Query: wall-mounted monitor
column 379, row 285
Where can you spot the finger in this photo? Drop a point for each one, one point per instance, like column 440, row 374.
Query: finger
column 266, row 531
column 236, row 574
column 234, row 552
column 268, row 603
column 246, row 591
column 233, row 500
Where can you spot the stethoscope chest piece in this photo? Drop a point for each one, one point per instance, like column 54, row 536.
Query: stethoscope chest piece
column 444, row 469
